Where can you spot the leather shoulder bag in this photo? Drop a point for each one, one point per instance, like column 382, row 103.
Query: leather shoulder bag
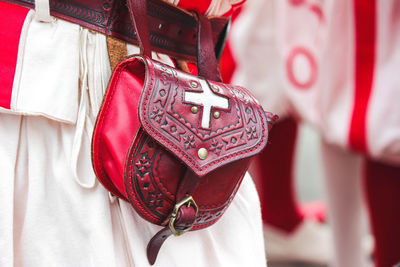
column 175, row 145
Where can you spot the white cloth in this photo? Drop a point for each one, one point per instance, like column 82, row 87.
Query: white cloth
column 46, row 217
column 44, row 49
column 344, row 199
column 254, row 47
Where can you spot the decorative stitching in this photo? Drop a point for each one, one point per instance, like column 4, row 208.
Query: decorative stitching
column 177, row 150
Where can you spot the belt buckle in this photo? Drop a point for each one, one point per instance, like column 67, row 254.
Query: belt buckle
column 188, row 201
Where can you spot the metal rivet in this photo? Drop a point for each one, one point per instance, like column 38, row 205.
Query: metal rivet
column 160, row 26
column 194, row 84
column 217, row 114
column 215, row 88
column 194, row 109
column 202, row 153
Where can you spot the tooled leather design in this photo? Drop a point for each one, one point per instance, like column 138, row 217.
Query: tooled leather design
column 152, row 200
column 240, row 130
column 95, row 11
column 149, row 193
column 176, row 36
column 121, row 25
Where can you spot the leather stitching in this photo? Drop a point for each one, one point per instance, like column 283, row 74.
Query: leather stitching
column 177, row 150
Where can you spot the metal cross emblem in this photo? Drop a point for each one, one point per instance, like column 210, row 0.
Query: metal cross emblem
column 208, row 100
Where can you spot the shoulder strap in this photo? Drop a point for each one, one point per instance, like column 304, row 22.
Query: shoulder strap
column 206, row 60
column 137, row 12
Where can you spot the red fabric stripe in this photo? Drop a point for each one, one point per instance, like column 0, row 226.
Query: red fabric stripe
column 12, row 19
column 228, row 61
column 200, row 6
column 365, row 31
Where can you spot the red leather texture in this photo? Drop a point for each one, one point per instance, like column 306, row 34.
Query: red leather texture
column 152, row 177
column 240, row 132
column 206, row 61
column 165, row 113
column 117, row 125
column 172, row 30
column 152, row 173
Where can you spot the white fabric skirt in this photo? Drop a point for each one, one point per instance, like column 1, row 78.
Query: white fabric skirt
column 52, row 210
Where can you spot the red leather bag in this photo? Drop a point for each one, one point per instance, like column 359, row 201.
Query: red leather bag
column 175, row 145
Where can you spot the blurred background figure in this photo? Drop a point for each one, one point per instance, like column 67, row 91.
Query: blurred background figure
column 293, row 233
column 332, row 65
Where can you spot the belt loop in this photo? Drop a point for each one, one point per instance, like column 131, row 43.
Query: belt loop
column 42, row 11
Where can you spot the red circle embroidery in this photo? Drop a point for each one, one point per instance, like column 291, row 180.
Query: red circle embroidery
column 296, row 2
column 301, row 51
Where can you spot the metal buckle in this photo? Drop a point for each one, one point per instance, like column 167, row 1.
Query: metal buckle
column 186, row 201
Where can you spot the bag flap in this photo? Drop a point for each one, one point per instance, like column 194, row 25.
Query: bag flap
column 204, row 123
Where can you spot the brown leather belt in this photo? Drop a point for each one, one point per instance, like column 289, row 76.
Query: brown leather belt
column 173, row 31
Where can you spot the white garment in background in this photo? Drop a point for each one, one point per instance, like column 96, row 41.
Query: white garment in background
column 300, row 57
column 304, row 57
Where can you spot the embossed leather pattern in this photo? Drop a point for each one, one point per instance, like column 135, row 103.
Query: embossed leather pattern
column 238, row 131
column 152, row 176
column 142, row 148
column 172, row 30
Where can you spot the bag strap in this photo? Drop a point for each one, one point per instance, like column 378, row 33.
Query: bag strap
column 185, row 211
column 137, row 11
column 183, row 216
column 206, row 60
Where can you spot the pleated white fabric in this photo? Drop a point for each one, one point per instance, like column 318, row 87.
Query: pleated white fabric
column 52, row 212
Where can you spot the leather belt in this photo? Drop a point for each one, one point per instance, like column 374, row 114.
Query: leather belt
column 173, row 31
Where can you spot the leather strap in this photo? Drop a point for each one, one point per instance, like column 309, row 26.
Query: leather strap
column 185, row 219
column 172, row 30
column 207, row 65
column 138, row 14
column 208, row 68
column 186, row 216
column 206, row 61
column 187, row 185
